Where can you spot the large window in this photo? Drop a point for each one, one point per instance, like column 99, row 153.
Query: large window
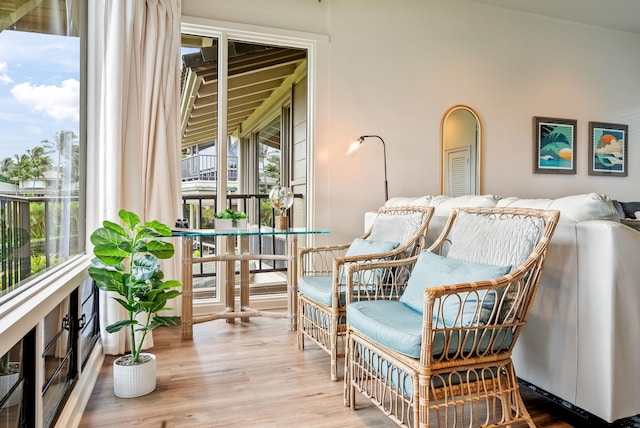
column 40, row 138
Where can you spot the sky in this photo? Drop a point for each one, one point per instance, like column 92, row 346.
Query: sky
column 39, row 89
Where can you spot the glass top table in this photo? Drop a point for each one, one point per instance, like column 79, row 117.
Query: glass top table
column 249, row 231
column 237, row 250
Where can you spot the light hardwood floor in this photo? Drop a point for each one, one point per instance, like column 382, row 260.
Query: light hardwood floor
column 247, row 375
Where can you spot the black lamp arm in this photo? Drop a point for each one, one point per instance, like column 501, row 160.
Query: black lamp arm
column 384, row 154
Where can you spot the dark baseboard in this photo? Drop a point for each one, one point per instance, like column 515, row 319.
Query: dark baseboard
column 579, row 417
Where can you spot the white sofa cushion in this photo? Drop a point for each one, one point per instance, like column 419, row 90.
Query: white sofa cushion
column 573, row 209
column 443, row 204
column 400, row 201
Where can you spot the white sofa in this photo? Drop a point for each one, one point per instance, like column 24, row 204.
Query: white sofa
column 582, row 339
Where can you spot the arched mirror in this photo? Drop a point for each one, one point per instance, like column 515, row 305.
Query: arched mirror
column 461, row 135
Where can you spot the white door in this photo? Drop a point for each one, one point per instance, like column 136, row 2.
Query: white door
column 458, row 172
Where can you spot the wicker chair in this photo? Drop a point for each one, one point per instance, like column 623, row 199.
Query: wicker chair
column 397, row 232
column 440, row 355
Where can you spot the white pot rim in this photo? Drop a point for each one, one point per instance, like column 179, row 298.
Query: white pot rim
column 149, row 357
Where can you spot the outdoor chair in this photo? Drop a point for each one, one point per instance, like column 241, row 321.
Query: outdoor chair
column 440, row 354
column 396, row 232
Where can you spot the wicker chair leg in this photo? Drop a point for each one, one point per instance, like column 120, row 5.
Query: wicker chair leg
column 333, row 340
column 525, row 413
column 512, row 403
column 421, row 407
column 300, row 316
column 348, row 389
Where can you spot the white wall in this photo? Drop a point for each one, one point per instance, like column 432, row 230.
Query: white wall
column 393, row 68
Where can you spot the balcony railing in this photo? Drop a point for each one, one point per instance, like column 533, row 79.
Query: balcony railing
column 200, row 211
column 35, row 233
column 204, row 168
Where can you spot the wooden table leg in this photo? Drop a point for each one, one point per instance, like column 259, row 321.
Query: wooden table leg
column 292, row 281
column 187, row 288
column 244, row 275
column 230, row 294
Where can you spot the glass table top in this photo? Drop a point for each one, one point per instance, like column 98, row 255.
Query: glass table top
column 249, row 231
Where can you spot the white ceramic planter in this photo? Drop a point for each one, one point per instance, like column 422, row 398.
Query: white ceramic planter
column 134, row 380
column 226, row 224
column 7, row 382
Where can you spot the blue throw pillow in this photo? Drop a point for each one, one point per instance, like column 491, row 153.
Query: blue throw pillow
column 433, row 270
column 360, row 247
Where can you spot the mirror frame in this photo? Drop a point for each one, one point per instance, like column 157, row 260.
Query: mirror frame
column 478, row 190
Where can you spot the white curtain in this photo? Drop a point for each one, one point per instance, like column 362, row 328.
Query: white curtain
column 137, row 152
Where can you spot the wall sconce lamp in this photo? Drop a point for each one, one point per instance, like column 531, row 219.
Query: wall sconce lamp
column 357, row 144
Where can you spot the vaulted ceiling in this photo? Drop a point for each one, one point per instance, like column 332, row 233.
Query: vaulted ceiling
column 257, row 74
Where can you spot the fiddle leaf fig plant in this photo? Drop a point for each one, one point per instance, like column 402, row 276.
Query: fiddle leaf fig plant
column 127, row 263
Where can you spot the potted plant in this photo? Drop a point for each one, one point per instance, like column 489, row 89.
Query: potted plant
column 127, row 263
column 230, row 220
column 9, row 375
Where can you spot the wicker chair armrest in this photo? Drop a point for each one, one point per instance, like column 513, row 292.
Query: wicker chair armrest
column 370, row 257
column 377, row 279
column 319, row 260
column 486, row 321
column 324, row 249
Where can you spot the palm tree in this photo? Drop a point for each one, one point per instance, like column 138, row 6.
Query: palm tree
column 6, row 165
column 68, row 156
column 29, row 166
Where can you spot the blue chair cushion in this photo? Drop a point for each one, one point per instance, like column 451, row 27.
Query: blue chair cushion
column 433, row 270
column 318, row 289
column 390, row 323
column 398, row 327
column 360, row 247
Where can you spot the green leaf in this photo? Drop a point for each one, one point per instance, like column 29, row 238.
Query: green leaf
column 126, row 246
column 128, row 306
column 168, row 321
column 141, row 247
column 159, row 303
column 172, row 294
column 114, row 227
column 161, row 249
column 109, row 254
column 149, row 306
column 129, row 218
column 119, row 325
column 161, row 228
column 107, row 279
column 172, row 283
column 144, row 267
column 103, row 236
column 146, row 233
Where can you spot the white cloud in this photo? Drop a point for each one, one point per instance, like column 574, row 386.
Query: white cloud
column 4, row 77
column 59, row 102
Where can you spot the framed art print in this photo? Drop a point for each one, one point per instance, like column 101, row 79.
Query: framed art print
column 608, row 149
column 554, row 143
